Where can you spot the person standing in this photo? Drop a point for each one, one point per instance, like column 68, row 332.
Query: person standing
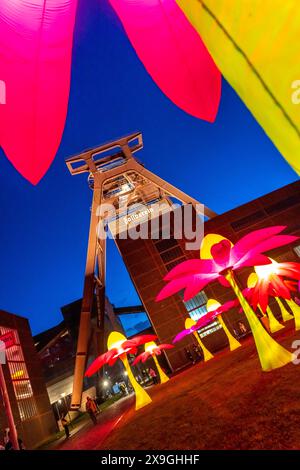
column 91, row 409
column 65, row 425
column 153, row 375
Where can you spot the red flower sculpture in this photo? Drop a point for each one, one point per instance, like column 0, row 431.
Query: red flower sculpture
column 129, row 346
column 151, row 351
column 270, row 282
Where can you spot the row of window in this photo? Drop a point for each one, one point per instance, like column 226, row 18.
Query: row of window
column 19, row 377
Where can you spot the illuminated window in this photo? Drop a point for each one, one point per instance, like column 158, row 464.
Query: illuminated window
column 20, row 379
column 196, row 306
column 209, row 329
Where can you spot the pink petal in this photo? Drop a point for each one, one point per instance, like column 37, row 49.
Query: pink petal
column 250, row 240
column 251, row 259
column 173, row 54
column 193, row 266
column 205, row 319
column 36, row 51
column 182, row 335
column 196, row 284
column 223, row 281
column 271, row 243
column 228, row 305
column 181, row 283
column 221, row 253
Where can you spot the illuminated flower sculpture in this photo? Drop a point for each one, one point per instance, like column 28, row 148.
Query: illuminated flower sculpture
column 221, row 259
column 216, row 309
column 118, row 347
column 153, row 350
column 192, row 327
column 270, row 282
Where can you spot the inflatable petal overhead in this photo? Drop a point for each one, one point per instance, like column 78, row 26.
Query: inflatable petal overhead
column 35, row 55
column 255, row 44
column 173, row 54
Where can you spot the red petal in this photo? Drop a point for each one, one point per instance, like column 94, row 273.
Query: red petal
column 99, row 362
column 137, row 341
column 36, row 51
column 166, row 346
column 173, row 54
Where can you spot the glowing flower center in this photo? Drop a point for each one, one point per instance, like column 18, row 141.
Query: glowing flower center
column 212, row 305
column 266, row 271
column 150, row 349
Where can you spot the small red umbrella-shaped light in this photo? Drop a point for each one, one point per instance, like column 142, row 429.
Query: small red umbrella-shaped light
column 118, row 348
column 153, row 350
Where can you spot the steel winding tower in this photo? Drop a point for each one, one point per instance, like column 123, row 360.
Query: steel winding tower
column 114, row 174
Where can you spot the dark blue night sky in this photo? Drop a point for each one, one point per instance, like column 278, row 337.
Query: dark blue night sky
column 44, row 229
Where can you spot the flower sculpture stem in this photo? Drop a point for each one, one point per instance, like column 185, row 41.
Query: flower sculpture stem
column 275, row 325
column 286, row 316
column 296, row 311
column 207, row 355
column 163, row 377
column 271, row 354
column 142, row 397
column 233, row 342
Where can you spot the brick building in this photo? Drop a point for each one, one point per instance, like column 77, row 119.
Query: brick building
column 25, row 383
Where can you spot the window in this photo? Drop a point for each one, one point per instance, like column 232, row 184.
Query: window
column 283, row 204
column 19, row 377
column 209, row 329
column 248, row 220
column 196, row 307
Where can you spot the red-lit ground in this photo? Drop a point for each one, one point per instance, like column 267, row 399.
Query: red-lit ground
column 227, row 403
column 91, row 437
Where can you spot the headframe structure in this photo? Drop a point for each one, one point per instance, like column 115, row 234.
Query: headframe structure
column 114, row 173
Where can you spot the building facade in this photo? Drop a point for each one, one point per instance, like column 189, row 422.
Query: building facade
column 25, row 383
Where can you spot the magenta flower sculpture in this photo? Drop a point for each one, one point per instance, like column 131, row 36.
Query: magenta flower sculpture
column 192, row 327
column 220, row 259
